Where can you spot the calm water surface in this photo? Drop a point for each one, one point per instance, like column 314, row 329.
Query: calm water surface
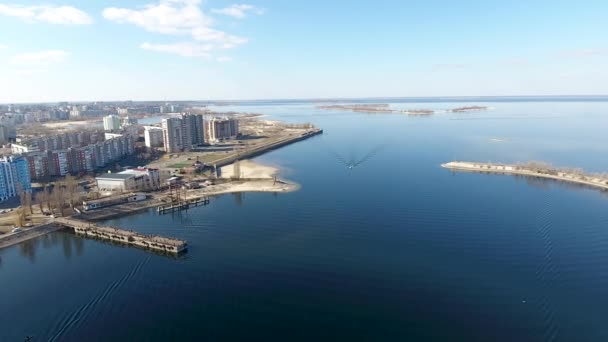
column 397, row 248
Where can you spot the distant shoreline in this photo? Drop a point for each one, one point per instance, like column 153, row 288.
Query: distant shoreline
column 384, row 108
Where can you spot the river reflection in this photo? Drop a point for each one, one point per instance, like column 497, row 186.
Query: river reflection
column 71, row 245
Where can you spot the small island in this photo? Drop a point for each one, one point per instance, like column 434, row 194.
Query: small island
column 361, row 108
column 535, row 169
column 418, row 111
column 468, row 109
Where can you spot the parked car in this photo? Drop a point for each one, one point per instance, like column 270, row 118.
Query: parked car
column 16, row 230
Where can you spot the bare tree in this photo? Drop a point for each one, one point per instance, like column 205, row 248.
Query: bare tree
column 71, row 189
column 28, row 202
column 58, row 198
column 19, row 217
column 39, row 200
column 21, row 195
column 47, row 197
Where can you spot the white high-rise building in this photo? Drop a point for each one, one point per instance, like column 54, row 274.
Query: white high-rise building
column 180, row 134
column 173, row 135
column 111, row 123
column 153, row 136
column 194, row 125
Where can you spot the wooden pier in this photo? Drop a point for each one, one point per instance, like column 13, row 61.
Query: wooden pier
column 183, row 205
column 128, row 237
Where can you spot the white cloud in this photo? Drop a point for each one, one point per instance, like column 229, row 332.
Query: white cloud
column 40, row 58
column 184, row 49
column 238, row 11
column 61, row 15
column 168, row 16
column 179, row 18
column 224, row 59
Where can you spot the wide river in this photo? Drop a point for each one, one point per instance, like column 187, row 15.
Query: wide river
column 394, row 249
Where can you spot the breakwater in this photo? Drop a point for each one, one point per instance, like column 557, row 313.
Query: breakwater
column 531, row 170
column 266, row 147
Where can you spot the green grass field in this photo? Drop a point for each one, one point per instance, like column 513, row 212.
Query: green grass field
column 179, row 165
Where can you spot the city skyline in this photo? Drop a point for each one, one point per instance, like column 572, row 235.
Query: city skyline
column 175, row 50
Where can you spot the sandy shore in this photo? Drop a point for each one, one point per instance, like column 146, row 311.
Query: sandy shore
column 244, row 186
column 250, row 169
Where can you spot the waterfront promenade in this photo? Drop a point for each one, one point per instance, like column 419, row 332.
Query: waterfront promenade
column 596, row 181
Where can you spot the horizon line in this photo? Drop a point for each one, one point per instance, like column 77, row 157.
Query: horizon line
column 310, row 99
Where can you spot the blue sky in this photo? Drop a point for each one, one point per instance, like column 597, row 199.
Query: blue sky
column 260, row 49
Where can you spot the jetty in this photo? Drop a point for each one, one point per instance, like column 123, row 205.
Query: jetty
column 127, row 237
column 534, row 170
column 165, row 209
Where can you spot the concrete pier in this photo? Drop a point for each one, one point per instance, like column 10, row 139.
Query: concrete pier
column 156, row 243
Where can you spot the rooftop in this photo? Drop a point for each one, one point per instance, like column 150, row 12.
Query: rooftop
column 116, row 176
column 126, row 174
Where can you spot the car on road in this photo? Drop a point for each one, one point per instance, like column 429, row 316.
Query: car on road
column 16, row 230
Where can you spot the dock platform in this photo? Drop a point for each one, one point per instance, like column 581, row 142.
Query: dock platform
column 165, row 209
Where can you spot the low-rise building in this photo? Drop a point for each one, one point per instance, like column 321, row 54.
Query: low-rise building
column 130, row 180
column 114, row 200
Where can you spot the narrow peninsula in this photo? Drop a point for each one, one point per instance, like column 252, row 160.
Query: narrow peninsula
column 534, row 169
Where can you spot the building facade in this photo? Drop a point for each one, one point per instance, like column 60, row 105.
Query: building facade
column 173, row 135
column 76, row 160
column 194, row 124
column 218, row 129
column 112, row 123
column 130, row 180
column 14, row 177
column 153, row 136
column 182, row 133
